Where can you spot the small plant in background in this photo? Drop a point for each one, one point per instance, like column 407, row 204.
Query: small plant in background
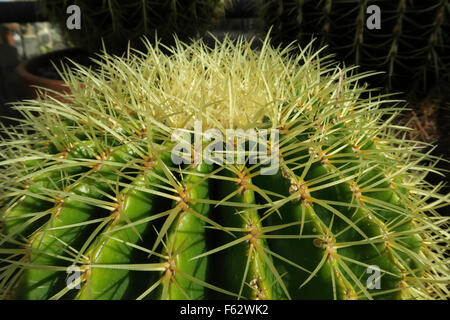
column 92, row 200
column 117, row 22
column 411, row 46
column 37, row 38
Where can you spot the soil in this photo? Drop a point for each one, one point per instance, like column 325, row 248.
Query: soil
column 423, row 119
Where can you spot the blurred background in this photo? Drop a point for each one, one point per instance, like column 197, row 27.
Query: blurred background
column 18, row 42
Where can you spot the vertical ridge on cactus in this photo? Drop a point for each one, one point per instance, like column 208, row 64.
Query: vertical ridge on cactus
column 90, row 184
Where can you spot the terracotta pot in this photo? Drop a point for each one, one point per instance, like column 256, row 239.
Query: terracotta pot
column 28, row 72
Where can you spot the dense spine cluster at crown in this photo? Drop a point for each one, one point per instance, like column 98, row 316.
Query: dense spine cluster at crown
column 89, row 186
column 411, row 46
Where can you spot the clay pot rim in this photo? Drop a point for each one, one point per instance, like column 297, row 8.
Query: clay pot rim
column 24, row 68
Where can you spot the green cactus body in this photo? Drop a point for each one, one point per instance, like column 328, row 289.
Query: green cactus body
column 249, row 251
column 346, row 214
column 315, row 221
column 47, row 180
column 71, row 211
column 114, row 247
column 186, row 239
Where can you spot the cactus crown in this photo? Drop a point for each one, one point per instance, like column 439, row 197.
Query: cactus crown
column 88, row 182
